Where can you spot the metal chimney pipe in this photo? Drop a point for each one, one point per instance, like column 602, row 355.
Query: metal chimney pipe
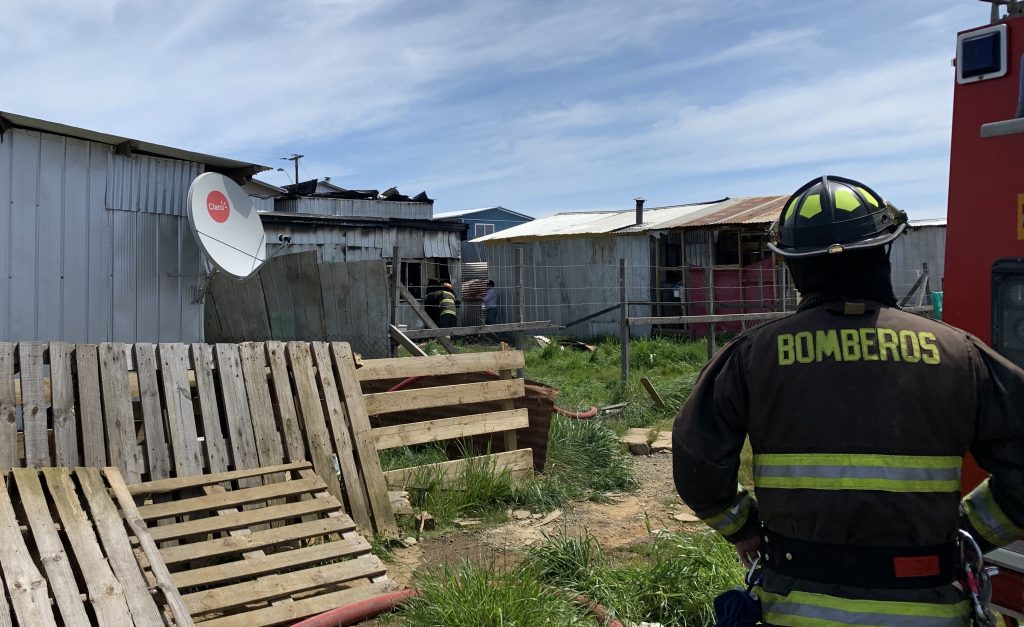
column 639, row 209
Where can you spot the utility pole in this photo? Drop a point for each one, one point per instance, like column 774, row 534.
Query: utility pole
column 295, row 158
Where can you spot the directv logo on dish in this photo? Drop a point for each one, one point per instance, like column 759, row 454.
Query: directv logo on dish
column 218, row 206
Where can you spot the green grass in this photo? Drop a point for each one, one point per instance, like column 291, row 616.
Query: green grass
column 584, row 378
column 471, row 595
column 673, row 580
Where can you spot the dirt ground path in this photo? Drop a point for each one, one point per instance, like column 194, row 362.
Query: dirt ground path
column 623, row 521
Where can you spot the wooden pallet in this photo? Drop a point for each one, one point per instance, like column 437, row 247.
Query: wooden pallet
column 258, row 547
column 174, row 410
column 418, row 415
column 67, row 558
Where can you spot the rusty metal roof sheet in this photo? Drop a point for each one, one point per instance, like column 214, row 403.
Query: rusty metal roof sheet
column 753, row 211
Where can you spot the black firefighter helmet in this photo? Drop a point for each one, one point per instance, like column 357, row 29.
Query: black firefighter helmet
column 831, row 215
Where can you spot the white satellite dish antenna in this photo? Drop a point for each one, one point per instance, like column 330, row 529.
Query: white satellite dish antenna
column 226, row 225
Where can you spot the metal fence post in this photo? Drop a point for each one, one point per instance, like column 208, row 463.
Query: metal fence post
column 396, row 272
column 520, row 302
column 623, row 322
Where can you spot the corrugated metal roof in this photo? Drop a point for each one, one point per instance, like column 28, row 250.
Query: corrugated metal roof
column 22, row 121
column 915, row 224
column 753, row 210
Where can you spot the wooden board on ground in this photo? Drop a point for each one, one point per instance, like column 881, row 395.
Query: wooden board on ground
column 65, row 521
column 231, row 571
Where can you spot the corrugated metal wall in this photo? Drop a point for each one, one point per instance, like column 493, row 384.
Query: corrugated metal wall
column 567, row 279
column 94, row 246
column 347, row 243
column 356, row 207
column 925, row 244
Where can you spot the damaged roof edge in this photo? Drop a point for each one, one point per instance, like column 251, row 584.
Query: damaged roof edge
column 12, row 120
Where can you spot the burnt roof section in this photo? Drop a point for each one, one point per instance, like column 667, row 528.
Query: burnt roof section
column 308, row 188
column 314, row 219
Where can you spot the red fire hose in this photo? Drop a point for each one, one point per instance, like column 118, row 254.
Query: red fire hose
column 579, row 415
column 357, row 612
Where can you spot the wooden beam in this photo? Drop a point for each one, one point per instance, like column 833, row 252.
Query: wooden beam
column 197, row 481
column 405, row 342
column 450, row 428
column 156, row 562
column 438, row 365
column 652, row 392
column 517, row 327
column 518, row 463
column 418, row 310
column 443, row 396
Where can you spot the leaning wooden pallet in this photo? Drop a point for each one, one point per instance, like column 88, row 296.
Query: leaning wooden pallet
column 233, row 570
column 74, row 564
column 464, row 410
column 172, row 410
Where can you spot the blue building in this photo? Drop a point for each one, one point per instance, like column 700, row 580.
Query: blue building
column 484, row 221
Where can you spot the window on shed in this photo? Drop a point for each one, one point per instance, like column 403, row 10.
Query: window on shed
column 727, row 248
column 412, row 277
column 480, row 229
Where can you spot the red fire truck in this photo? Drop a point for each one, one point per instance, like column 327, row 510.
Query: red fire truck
column 984, row 272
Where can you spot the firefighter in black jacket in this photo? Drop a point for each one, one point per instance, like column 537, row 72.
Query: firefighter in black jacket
column 859, row 415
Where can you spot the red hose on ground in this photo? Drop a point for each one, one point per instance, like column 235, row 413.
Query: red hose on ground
column 580, row 415
column 359, row 611
column 599, row 611
column 404, row 384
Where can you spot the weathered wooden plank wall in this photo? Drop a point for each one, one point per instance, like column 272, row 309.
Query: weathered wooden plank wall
column 295, row 298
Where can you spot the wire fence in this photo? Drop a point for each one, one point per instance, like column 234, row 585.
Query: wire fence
column 569, row 295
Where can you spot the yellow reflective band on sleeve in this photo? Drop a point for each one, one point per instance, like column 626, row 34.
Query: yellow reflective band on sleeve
column 989, row 519
column 799, row 608
column 733, row 518
column 856, row 471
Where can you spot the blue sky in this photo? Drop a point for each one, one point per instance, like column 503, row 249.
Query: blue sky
column 537, row 106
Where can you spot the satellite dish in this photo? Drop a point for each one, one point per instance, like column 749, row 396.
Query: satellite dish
column 226, row 225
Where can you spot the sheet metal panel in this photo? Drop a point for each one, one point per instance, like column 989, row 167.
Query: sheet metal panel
column 149, row 184
column 49, row 249
column 926, row 244
column 6, row 200
column 358, row 207
column 150, row 246
column 24, row 214
column 75, row 235
column 567, row 279
column 99, row 254
column 81, row 272
column 190, row 266
column 124, row 275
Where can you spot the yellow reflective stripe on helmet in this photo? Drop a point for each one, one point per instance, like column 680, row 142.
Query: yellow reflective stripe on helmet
column 988, row 518
column 855, row 471
column 811, row 206
column 868, row 196
column 846, row 199
column 800, row 608
column 733, row 518
column 792, row 207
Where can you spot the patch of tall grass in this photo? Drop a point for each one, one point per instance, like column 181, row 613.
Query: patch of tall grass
column 471, row 595
column 673, row 580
